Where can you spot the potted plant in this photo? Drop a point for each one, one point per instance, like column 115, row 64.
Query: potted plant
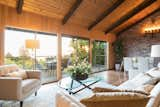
column 118, row 50
column 79, row 71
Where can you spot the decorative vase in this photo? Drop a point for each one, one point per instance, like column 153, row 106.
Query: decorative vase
column 78, row 76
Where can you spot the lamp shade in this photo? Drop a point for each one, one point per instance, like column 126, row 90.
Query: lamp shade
column 155, row 51
column 33, row 44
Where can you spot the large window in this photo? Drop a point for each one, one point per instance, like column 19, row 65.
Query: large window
column 17, row 53
column 99, row 56
column 73, row 49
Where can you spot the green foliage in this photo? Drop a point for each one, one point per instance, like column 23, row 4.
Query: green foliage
column 118, row 49
column 80, row 50
column 22, row 61
column 80, row 68
column 98, row 52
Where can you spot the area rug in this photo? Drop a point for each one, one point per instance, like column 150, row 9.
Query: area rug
column 46, row 96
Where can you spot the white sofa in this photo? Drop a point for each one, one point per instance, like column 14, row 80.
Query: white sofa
column 63, row 99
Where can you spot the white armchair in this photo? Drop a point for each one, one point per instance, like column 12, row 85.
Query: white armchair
column 15, row 88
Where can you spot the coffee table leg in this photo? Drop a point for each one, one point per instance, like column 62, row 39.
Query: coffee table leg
column 70, row 90
column 86, row 86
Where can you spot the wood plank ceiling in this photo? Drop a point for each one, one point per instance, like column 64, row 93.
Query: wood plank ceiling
column 113, row 16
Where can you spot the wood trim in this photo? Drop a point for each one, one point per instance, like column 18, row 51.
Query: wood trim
column 30, row 31
column 133, row 12
column 71, row 11
column 59, row 56
column 20, row 6
column 90, row 50
column 1, row 46
column 139, row 21
column 106, row 13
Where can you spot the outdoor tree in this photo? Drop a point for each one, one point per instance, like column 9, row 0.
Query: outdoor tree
column 80, row 50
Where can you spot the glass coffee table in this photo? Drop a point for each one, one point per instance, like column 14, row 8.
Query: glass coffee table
column 74, row 86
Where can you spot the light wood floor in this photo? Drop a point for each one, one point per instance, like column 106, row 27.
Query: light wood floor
column 46, row 94
column 113, row 77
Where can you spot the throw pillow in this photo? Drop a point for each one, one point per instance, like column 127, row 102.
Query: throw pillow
column 154, row 73
column 145, row 88
column 143, row 79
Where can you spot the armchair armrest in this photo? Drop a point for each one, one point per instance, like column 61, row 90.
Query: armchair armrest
column 10, row 88
column 34, row 74
column 65, row 100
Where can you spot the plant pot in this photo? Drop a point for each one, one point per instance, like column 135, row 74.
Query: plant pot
column 117, row 67
column 77, row 76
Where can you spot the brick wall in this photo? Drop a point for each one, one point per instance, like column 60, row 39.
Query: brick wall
column 136, row 43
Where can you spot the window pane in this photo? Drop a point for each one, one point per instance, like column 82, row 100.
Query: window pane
column 43, row 58
column 73, row 49
column 99, row 56
column 47, row 57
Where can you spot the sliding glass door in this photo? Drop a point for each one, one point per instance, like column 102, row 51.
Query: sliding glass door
column 44, row 58
column 99, row 56
column 73, row 49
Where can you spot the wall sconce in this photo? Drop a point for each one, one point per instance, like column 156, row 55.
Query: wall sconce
column 154, row 27
column 152, row 30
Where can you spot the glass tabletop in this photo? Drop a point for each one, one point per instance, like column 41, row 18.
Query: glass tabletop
column 66, row 82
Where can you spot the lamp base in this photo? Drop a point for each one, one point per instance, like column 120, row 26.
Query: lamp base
column 158, row 65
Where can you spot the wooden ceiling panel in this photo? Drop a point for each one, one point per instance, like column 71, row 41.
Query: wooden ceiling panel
column 122, row 10
column 51, row 8
column 137, row 17
column 89, row 10
column 58, row 8
column 11, row 3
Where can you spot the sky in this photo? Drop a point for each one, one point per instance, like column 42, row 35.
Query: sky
column 14, row 40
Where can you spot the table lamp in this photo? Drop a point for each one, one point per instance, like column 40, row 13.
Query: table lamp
column 155, row 52
column 33, row 44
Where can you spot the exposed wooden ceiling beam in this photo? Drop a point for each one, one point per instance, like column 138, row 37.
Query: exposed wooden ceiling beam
column 71, row 11
column 106, row 13
column 19, row 6
column 133, row 12
column 139, row 21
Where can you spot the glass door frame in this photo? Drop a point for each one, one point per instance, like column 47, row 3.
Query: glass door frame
column 83, row 38
column 34, row 36
column 59, row 44
column 107, row 52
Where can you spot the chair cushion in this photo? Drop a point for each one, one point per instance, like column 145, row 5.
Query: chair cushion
column 5, row 69
column 29, row 84
column 20, row 73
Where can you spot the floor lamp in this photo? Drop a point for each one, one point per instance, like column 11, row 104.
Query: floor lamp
column 33, row 44
column 155, row 52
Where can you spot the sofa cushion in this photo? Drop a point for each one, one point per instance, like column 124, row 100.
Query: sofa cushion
column 108, row 89
column 29, row 84
column 155, row 96
column 107, row 98
column 99, row 89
